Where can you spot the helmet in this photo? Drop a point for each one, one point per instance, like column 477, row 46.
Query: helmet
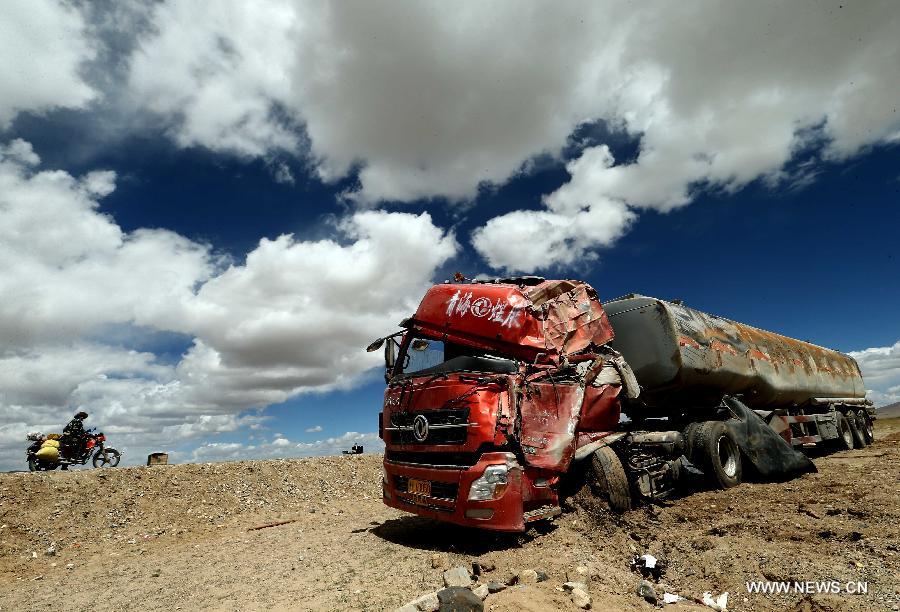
column 81, row 415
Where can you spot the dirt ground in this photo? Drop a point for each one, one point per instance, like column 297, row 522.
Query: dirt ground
column 178, row 537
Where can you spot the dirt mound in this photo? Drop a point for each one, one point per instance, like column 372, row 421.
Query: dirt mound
column 86, row 507
column 156, row 538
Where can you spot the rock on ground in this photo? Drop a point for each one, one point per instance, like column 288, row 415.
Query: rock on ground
column 581, row 599
column 457, row 577
column 459, row 599
column 481, row 591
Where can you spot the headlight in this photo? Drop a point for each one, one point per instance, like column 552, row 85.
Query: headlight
column 491, row 485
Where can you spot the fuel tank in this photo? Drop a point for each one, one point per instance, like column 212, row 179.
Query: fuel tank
column 683, row 357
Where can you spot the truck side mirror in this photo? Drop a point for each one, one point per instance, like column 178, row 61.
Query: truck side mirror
column 375, row 345
column 389, row 359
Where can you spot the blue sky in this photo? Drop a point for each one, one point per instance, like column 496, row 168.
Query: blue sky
column 205, row 217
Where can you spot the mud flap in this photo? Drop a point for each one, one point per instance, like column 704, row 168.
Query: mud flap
column 769, row 453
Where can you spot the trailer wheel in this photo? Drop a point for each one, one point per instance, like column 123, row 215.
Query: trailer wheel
column 610, row 478
column 864, row 423
column 845, row 434
column 718, row 454
column 858, row 440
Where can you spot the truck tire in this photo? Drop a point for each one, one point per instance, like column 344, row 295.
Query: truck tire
column 865, row 425
column 858, row 440
column 718, row 455
column 610, row 478
column 845, row 434
column 690, row 437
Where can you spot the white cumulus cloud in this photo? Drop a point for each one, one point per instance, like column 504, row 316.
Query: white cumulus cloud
column 44, row 45
column 70, row 268
column 881, row 370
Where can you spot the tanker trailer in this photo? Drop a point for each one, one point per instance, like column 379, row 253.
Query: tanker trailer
column 685, row 361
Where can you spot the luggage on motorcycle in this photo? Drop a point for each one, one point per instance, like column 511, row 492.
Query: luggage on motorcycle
column 53, row 436
column 48, row 453
column 53, row 443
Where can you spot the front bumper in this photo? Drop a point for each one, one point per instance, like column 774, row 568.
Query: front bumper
column 450, row 494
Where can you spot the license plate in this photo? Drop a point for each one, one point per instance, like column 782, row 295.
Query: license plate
column 419, row 487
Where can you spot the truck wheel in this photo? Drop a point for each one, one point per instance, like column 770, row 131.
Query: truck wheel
column 718, row 454
column 610, row 478
column 864, row 424
column 690, row 437
column 860, row 423
column 858, row 440
column 845, row 434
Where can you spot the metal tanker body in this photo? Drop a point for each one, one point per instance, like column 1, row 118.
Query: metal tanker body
column 682, row 357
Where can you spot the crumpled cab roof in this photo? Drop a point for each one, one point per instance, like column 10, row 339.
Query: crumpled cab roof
column 554, row 317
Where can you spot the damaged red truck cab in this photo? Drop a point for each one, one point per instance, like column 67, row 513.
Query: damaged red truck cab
column 479, row 421
column 497, row 389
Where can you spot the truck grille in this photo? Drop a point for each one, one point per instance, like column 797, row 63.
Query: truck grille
column 439, row 490
column 444, row 427
column 457, row 460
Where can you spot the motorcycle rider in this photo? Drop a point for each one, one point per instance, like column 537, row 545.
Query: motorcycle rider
column 73, row 436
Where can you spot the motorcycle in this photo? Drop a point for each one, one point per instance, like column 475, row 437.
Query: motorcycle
column 94, row 442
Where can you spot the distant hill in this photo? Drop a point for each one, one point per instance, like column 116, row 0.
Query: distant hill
column 891, row 411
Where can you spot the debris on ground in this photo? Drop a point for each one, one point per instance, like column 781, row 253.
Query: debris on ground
column 648, row 566
column 268, row 525
column 719, row 604
column 670, row 598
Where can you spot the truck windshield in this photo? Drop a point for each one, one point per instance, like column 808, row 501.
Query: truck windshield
column 423, row 356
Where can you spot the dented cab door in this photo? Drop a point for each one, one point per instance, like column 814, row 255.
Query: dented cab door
column 549, row 413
